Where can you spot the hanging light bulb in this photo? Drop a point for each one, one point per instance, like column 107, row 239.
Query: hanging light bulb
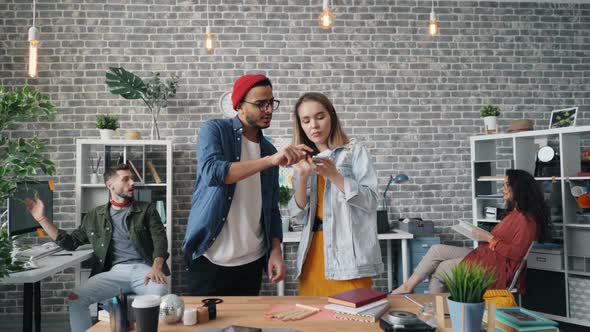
column 433, row 25
column 326, row 17
column 33, row 46
column 209, row 43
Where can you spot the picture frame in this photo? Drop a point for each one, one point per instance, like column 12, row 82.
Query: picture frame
column 521, row 317
column 562, row 118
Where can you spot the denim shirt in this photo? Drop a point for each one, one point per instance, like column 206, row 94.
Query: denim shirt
column 351, row 246
column 219, row 145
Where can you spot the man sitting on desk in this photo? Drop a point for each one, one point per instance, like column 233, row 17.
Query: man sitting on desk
column 129, row 242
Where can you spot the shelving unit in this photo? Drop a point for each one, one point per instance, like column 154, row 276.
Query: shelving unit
column 90, row 195
column 491, row 155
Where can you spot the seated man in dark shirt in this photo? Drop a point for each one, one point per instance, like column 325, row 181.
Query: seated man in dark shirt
column 129, row 242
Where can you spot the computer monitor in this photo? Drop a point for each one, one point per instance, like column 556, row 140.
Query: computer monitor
column 20, row 220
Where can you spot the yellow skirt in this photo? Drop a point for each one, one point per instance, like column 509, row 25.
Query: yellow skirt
column 313, row 282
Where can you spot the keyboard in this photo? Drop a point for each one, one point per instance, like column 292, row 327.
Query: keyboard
column 37, row 252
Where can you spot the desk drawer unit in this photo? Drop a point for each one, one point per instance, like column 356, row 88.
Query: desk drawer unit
column 545, row 259
column 418, row 247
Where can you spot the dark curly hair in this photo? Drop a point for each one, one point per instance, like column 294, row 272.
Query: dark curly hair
column 528, row 198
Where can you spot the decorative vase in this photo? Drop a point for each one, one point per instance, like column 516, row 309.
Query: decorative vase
column 94, row 178
column 155, row 132
column 470, row 317
column 490, row 124
column 106, row 133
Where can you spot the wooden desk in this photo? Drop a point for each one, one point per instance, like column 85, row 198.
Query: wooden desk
column 249, row 311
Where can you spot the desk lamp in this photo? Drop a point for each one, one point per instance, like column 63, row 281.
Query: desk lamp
column 382, row 218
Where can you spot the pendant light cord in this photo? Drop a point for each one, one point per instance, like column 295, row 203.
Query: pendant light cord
column 208, row 13
column 34, row 11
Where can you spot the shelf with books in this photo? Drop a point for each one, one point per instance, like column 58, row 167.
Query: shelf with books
column 492, row 154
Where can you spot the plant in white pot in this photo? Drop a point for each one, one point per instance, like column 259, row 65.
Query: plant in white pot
column 490, row 114
column 107, row 124
column 467, row 284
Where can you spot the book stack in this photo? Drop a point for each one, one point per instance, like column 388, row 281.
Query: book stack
column 517, row 319
column 361, row 305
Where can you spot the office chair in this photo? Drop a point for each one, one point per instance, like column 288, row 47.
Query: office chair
column 512, row 288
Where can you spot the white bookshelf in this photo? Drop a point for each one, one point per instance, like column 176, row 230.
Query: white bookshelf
column 90, row 195
column 491, row 155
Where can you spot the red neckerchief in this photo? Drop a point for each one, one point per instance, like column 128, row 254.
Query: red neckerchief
column 121, row 205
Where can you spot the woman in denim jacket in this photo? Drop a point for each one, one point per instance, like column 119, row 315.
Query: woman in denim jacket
column 336, row 200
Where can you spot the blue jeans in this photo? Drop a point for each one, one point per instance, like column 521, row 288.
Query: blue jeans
column 103, row 286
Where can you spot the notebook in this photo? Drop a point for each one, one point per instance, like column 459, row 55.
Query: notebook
column 357, row 297
column 349, row 310
column 369, row 316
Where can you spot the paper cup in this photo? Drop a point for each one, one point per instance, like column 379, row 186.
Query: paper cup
column 190, row 316
column 146, row 309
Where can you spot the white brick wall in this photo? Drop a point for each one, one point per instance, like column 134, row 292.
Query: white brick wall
column 413, row 99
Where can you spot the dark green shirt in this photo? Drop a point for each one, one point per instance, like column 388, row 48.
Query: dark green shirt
column 146, row 231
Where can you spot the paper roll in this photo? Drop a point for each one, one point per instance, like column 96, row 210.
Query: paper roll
column 190, row 316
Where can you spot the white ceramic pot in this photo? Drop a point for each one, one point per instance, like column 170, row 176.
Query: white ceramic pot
column 106, row 133
column 490, row 123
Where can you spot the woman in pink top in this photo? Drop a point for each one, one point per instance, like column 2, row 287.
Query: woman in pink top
column 503, row 249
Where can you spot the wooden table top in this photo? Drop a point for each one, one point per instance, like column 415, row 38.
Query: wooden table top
column 249, row 311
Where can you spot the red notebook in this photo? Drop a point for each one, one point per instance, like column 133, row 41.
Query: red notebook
column 357, row 297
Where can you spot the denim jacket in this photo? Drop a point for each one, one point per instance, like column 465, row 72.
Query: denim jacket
column 351, row 247
column 219, row 145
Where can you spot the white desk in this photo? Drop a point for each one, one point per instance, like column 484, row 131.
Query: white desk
column 31, row 279
column 291, row 237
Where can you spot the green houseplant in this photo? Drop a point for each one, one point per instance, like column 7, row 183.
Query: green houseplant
column 154, row 92
column 20, row 159
column 107, row 124
column 490, row 114
column 467, row 284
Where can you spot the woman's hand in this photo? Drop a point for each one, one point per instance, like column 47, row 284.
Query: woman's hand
column 327, row 169
column 303, row 168
column 481, row 235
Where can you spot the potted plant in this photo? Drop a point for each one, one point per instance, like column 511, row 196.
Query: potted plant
column 490, row 114
column 154, row 92
column 467, row 283
column 107, row 124
column 20, row 158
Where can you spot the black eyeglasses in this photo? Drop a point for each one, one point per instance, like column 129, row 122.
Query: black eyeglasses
column 263, row 105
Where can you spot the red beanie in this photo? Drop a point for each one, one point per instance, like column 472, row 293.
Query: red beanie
column 243, row 85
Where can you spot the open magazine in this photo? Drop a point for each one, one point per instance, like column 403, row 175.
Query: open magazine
column 464, row 228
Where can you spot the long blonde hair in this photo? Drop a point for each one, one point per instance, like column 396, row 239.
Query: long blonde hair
column 337, row 136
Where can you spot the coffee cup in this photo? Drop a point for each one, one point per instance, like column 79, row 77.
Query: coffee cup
column 146, row 309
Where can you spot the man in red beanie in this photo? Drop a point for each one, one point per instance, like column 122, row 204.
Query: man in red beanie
column 234, row 228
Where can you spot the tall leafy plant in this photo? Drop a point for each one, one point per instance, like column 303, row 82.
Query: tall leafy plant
column 20, row 159
column 154, row 92
column 468, row 282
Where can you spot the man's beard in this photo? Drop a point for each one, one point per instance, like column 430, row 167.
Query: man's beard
column 125, row 196
column 252, row 123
